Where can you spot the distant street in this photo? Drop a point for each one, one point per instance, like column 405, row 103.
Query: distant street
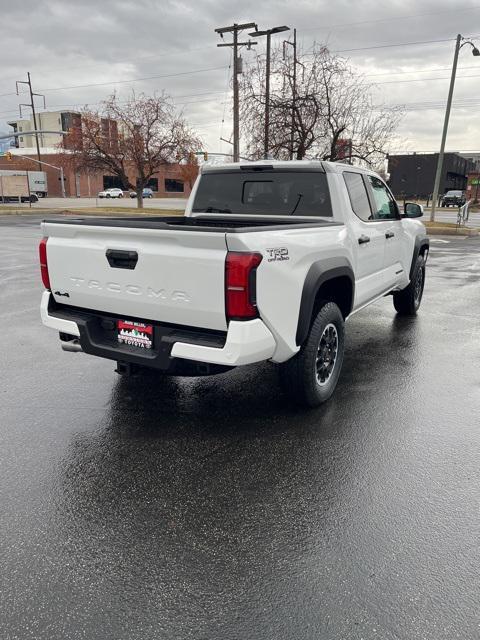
column 89, row 203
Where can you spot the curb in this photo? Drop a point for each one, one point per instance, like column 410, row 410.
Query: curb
column 449, row 231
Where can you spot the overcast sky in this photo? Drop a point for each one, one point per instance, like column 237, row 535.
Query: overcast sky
column 65, row 43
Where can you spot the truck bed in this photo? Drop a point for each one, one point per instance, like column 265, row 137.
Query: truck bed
column 228, row 224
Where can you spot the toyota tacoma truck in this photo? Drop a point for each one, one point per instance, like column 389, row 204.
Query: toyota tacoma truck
column 268, row 262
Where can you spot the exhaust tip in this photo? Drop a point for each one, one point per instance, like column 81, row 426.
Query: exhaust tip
column 73, row 346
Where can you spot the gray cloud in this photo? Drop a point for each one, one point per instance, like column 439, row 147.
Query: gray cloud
column 65, row 43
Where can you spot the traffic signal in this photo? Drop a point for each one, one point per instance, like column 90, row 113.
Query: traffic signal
column 205, row 155
column 9, row 156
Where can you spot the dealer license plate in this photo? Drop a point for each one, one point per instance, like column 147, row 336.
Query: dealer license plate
column 135, row 334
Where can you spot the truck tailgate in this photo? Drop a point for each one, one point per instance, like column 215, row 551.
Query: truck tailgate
column 154, row 274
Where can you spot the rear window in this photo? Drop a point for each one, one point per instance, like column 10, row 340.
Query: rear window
column 276, row 193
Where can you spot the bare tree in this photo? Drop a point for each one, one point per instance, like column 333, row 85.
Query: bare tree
column 334, row 112
column 189, row 169
column 131, row 139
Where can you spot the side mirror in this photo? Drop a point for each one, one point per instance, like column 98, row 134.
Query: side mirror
column 412, row 210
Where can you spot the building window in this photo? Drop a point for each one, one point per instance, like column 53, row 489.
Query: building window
column 153, row 184
column 21, row 138
column 112, row 181
column 20, row 129
column 173, row 186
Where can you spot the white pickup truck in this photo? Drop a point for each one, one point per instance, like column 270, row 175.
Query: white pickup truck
column 267, row 263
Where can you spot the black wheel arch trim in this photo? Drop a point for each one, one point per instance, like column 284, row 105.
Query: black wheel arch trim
column 420, row 242
column 319, row 273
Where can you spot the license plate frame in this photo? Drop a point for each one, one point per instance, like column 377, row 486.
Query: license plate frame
column 138, row 335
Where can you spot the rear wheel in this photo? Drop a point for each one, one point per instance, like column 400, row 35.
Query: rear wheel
column 408, row 300
column 310, row 377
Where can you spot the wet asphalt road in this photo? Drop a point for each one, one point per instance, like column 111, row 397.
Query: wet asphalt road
column 212, row 509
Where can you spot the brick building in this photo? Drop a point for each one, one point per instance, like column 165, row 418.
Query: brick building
column 473, row 186
column 169, row 181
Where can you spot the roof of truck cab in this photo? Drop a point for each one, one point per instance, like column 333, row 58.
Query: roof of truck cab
column 321, row 165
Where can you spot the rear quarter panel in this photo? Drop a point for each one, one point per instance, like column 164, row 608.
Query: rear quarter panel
column 287, row 256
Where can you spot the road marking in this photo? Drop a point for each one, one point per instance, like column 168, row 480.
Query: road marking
column 440, row 241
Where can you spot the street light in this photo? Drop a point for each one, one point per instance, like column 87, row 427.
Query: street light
column 258, row 34
column 475, row 52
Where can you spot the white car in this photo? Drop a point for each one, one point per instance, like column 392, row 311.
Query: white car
column 269, row 261
column 111, row 193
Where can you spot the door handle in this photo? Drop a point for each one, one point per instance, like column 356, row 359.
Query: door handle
column 119, row 259
column 389, row 234
column 363, row 239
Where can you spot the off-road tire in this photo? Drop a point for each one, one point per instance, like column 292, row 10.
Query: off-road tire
column 310, row 377
column 408, row 300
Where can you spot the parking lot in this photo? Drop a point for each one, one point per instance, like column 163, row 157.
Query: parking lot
column 156, row 508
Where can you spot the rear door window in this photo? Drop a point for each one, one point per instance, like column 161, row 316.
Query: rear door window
column 357, row 192
column 280, row 193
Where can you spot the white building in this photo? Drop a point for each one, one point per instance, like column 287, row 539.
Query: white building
column 48, row 121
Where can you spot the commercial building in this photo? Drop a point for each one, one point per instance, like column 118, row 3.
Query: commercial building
column 413, row 175
column 170, row 180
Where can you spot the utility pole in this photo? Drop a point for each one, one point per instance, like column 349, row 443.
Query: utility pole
column 31, row 104
column 294, row 88
column 234, row 29
column 268, row 33
column 438, row 175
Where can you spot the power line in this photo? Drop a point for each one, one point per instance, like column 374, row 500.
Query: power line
column 425, row 79
column 430, row 69
column 397, row 44
column 389, row 19
column 163, row 54
column 101, row 84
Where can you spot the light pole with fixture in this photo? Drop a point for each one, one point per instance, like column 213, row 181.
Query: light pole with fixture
column 458, row 45
column 258, row 34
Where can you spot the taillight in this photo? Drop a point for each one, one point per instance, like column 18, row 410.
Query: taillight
column 42, row 251
column 241, row 285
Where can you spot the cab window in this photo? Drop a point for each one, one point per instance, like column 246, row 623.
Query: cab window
column 385, row 207
column 358, row 195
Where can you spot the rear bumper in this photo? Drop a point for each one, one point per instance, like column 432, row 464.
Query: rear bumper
column 243, row 343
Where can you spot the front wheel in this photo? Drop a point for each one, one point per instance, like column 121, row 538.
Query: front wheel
column 408, row 300
column 310, row 377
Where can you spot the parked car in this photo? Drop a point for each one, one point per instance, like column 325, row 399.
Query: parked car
column 267, row 264
column 147, row 193
column 113, row 192
column 454, row 198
